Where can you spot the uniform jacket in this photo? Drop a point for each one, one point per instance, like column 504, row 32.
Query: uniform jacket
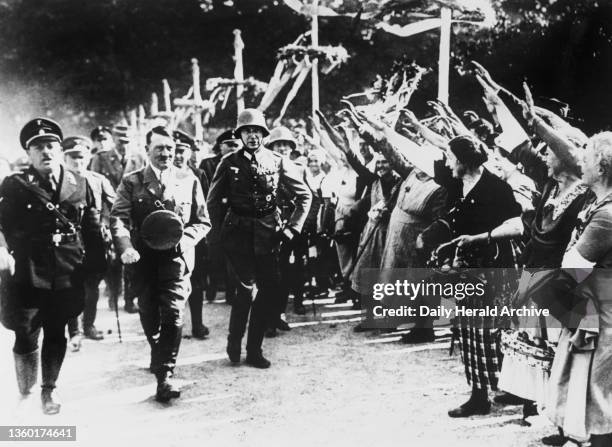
column 136, row 197
column 209, row 165
column 246, row 188
column 108, row 163
column 27, row 227
column 99, row 245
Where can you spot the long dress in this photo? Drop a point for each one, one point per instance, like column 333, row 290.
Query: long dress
column 373, row 236
column 487, row 205
column 420, row 201
column 579, row 397
column 548, row 228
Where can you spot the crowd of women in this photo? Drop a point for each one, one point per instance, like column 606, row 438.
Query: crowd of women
column 522, row 188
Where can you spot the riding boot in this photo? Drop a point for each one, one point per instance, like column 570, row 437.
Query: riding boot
column 52, row 357
column 26, row 369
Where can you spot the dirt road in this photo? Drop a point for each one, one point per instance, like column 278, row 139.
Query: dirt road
column 327, row 386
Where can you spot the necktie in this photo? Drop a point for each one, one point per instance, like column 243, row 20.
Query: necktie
column 50, row 184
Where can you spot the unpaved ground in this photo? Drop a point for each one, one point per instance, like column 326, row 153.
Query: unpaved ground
column 327, row 386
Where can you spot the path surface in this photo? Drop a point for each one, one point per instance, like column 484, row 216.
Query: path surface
column 327, row 387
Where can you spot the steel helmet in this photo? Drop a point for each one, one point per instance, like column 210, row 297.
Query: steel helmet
column 162, row 230
column 281, row 133
column 252, row 117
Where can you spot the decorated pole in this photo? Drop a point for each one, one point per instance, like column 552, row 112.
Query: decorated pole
column 239, row 70
column 446, row 15
column 314, row 36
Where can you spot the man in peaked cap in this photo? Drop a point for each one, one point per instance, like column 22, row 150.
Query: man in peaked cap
column 244, row 211
column 114, row 164
column 46, row 214
column 184, row 146
column 102, row 138
column 219, row 272
column 77, row 155
column 162, row 260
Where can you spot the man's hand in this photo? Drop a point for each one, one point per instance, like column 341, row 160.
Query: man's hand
column 7, row 262
column 528, row 106
column 130, row 256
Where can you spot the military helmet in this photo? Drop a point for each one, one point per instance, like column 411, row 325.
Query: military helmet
column 162, row 230
column 281, row 133
column 252, row 117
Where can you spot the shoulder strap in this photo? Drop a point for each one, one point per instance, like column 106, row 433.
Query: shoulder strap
column 46, row 202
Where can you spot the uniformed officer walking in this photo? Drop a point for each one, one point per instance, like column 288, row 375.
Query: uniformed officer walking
column 185, row 145
column 114, row 164
column 243, row 204
column 46, row 212
column 157, row 220
column 77, row 155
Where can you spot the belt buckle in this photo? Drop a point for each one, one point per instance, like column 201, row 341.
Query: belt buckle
column 50, row 206
column 56, row 238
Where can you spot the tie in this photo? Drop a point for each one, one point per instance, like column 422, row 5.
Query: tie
column 50, row 184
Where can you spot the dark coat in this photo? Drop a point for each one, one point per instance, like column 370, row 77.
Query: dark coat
column 27, row 226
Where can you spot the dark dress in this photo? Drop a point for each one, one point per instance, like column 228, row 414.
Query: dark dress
column 490, row 203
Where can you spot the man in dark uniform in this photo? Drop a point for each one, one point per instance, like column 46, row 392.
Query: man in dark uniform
column 245, row 216
column 102, row 138
column 219, row 271
column 114, row 164
column 77, row 155
column 46, row 213
column 182, row 154
column 226, row 142
column 150, row 203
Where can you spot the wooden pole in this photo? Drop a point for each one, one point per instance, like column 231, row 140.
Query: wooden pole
column 239, row 70
column 315, row 63
column 197, row 97
column 444, row 60
column 167, row 103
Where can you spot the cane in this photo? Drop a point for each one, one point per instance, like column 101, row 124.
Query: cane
column 117, row 317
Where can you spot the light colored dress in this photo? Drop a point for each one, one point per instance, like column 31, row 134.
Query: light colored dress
column 579, row 394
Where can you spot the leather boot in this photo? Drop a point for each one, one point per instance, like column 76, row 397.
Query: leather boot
column 52, row 357
column 198, row 330
column 26, row 370
column 168, row 346
column 233, row 349
column 166, row 388
column 154, row 364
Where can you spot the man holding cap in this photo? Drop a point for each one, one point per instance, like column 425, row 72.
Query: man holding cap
column 157, row 220
column 245, row 216
column 114, row 164
column 46, row 212
column 77, row 155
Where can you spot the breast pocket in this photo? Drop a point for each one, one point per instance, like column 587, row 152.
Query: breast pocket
column 142, row 207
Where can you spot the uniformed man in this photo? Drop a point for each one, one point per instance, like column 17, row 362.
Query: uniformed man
column 157, row 220
column 77, row 155
column 243, row 204
column 114, row 164
column 293, row 254
column 102, row 139
column 182, row 154
column 226, row 142
column 219, row 271
column 46, row 213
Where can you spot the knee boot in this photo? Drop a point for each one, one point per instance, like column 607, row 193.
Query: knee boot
column 26, row 369
column 52, row 358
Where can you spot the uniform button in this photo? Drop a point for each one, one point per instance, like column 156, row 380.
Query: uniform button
column 29, row 206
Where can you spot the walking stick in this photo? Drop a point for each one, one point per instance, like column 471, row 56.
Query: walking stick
column 117, row 317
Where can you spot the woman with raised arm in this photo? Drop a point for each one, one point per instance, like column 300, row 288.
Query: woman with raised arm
column 579, row 397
